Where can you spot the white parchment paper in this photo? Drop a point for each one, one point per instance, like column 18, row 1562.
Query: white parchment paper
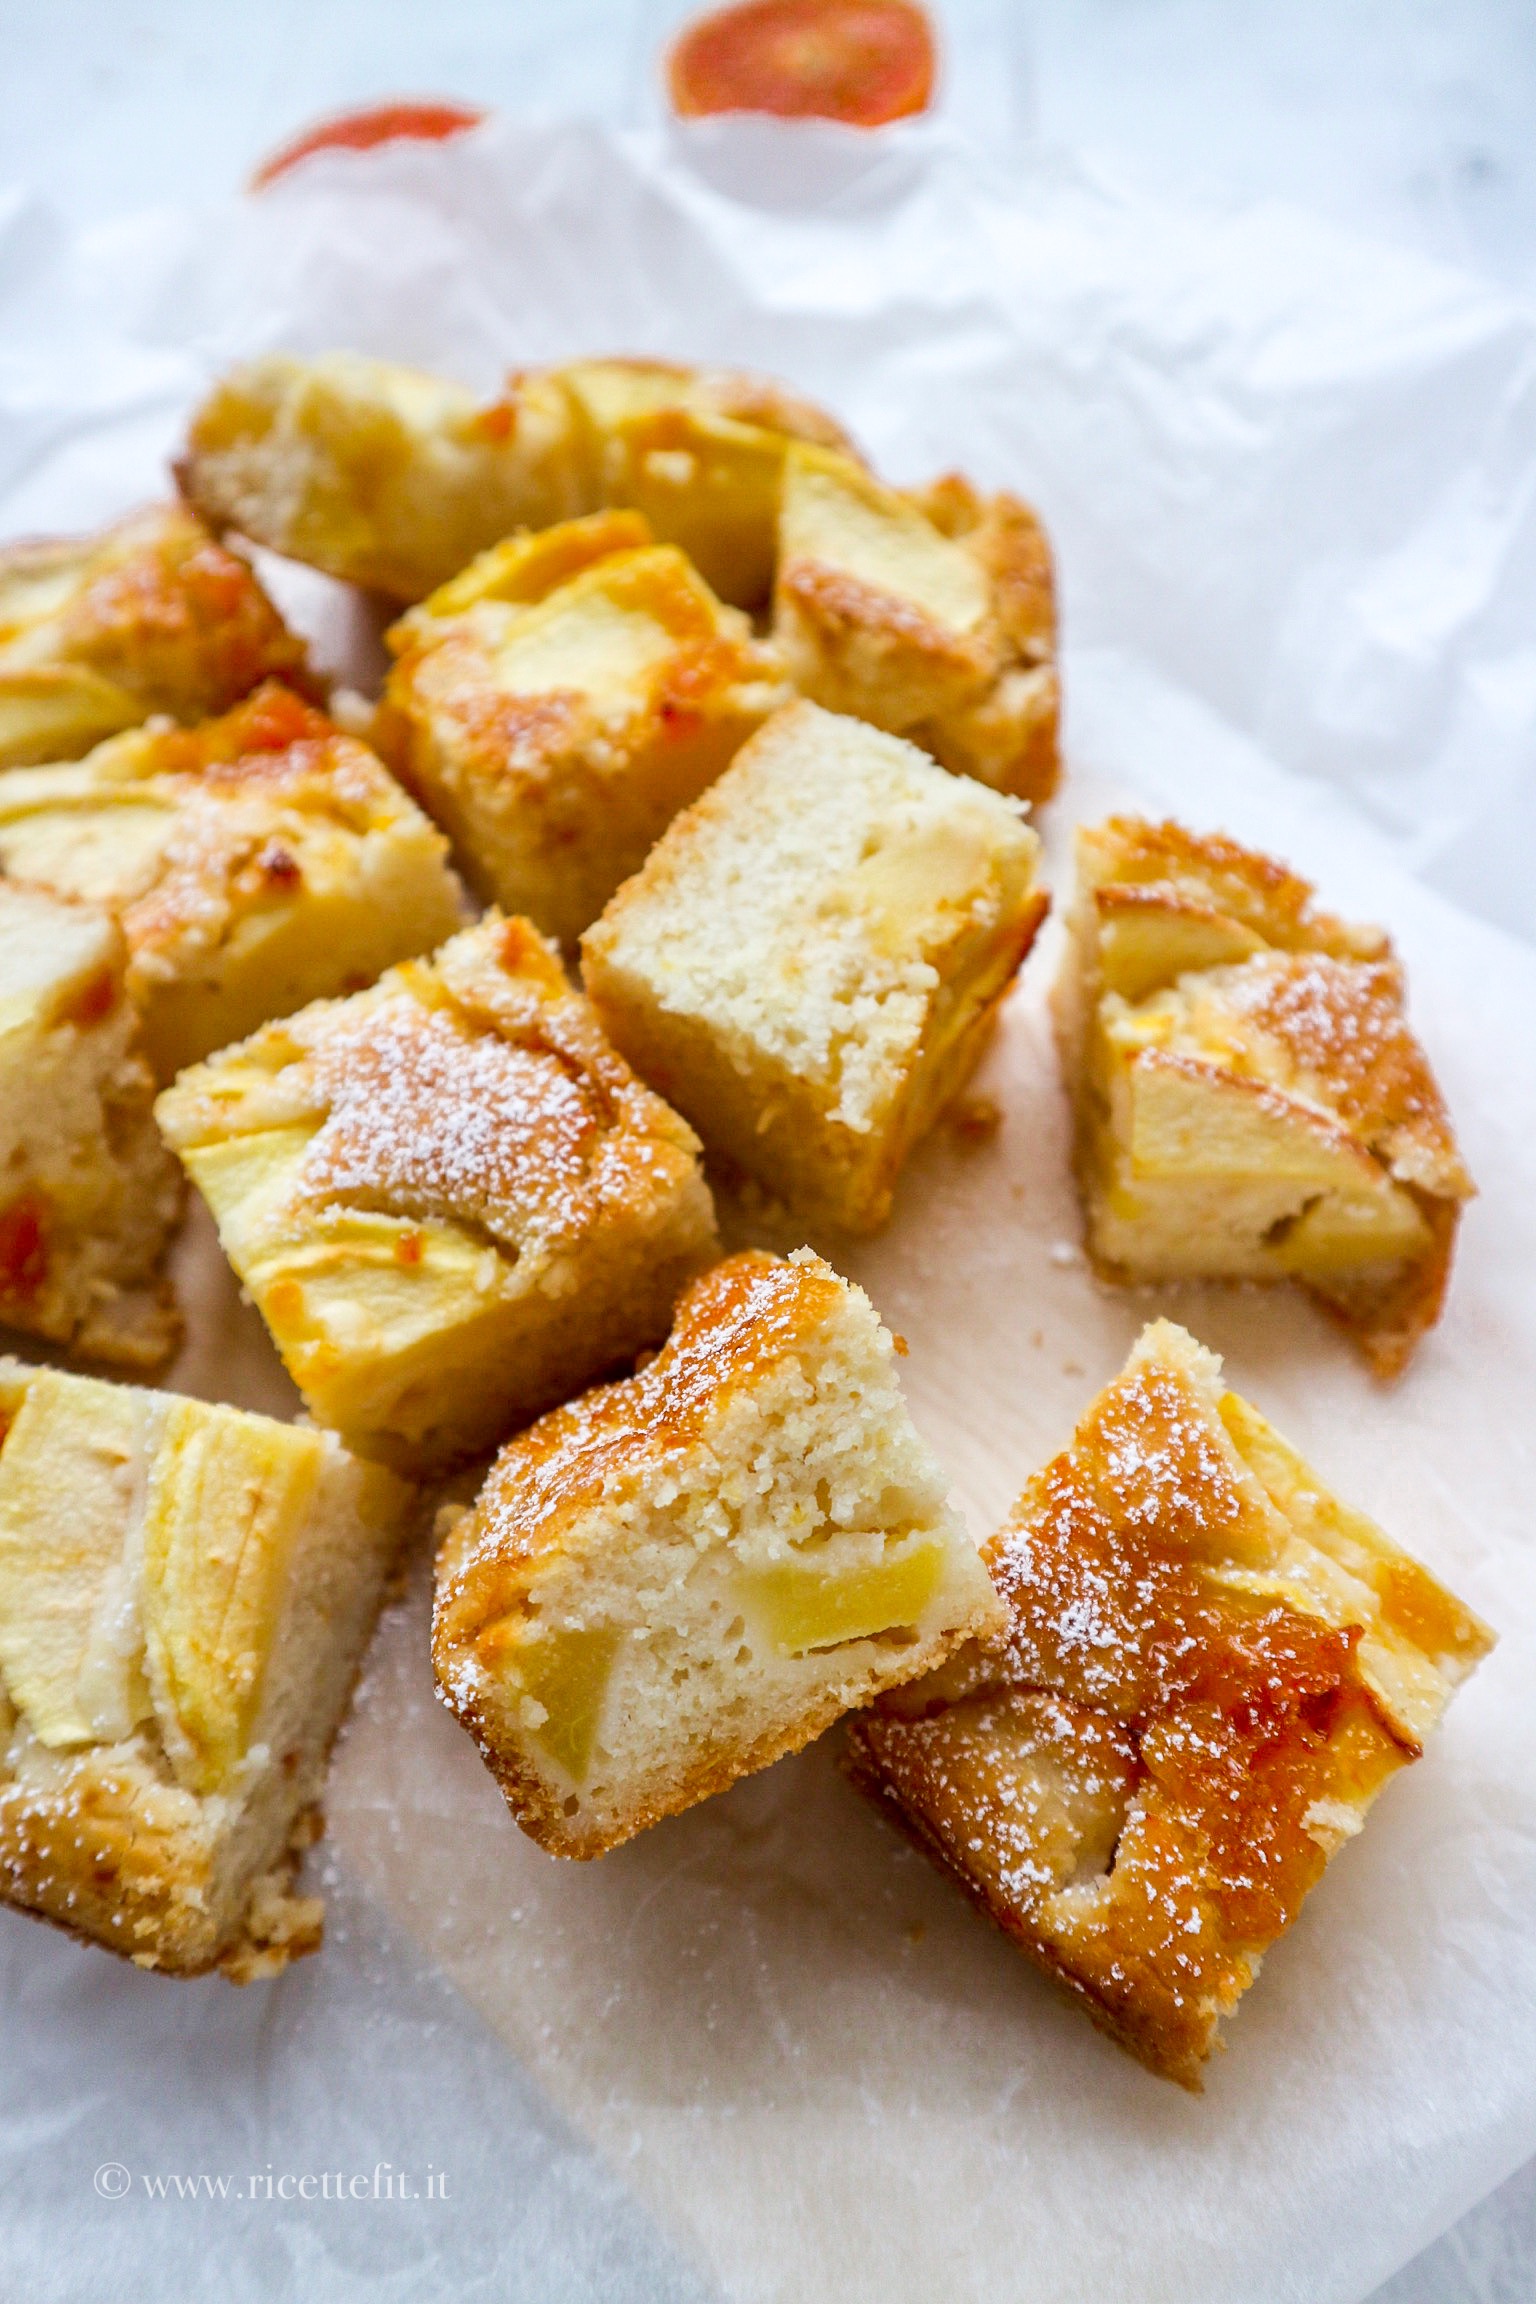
column 1290, row 480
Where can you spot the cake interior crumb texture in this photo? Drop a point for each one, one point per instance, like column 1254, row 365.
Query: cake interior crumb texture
column 88, row 1192
column 1211, row 1667
column 185, row 1595
column 679, row 1577
column 810, row 959
column 452, row 1203
column 1251, row 1101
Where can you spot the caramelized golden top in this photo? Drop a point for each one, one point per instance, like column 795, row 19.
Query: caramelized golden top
column 637, row 387
column 156, row 605
column 1006, row 537
column 238, row 793
column 1142, row 1574
column 273, row 736
column 636, row 638
column 731, row 1325
column 1107, row 1563
column 1211, row 870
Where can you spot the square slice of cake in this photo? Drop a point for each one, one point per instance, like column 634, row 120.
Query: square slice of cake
column 99, row 632
column 88, row 1192
column 1251, row 1103
column 682, row 1576
column 451, row 1201
column 559, row 702
column 186, row 1592
column 1211, row 1668
column 931, row 614
column 256, row 862
column 809, row 961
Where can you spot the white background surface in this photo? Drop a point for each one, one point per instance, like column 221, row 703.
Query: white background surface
column 1411, row 122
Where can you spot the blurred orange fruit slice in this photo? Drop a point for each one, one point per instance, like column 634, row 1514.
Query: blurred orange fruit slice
column 859, row 61
column 361, row 131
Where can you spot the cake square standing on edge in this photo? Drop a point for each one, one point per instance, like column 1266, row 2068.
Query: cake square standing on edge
column 1211, row 1668
column 186, row 1593
column 89, row 1192
column 256, row 862
column 559, row 702
column 809, row 961
column 680, row 1577
column 1251, row 1103
column 449, row 1199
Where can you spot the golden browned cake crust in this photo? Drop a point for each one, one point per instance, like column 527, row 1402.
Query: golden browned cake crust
column 255, row 861
column 118, row 1858
column 1251, row 1101
column 1211, row 1668
column 680, row 1577
column 732, row 1323
column 151, row 616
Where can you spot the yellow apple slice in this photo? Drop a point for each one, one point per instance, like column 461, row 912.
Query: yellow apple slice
column 227, row 1500
column 805, row 1603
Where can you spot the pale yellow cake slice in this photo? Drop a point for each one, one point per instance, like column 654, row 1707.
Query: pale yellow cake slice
column 186, row 1592
column 395, row 480
column 1211, row 1667
column 556, row 704
column 88, row 1192
column 257, row 861
column 1251, row 1102
column 809, row 961
column 682, row 1576
column 450, row 1200
column 931, row 614
column 99, row 632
